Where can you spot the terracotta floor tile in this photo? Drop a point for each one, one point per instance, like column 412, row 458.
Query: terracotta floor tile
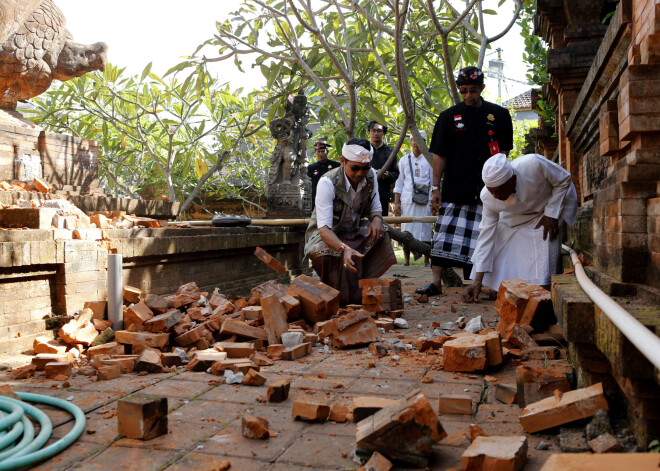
column 320, row 451
column 181, row 436
column 210, row 411
column 130, row 459
column 177, row 389
column 199, row 461
column 381, row 387
column 76, row 452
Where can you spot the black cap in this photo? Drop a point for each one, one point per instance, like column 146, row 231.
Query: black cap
column 321, row 145
column 470, row 76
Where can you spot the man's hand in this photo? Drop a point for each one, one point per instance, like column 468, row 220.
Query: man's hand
column 348, row 259
column 436, row 201
column 397, row 208
column 376, row 229
column 471, row 293
column 550, row 227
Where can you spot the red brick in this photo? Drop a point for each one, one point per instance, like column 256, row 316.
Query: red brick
column 132, row 294
column 142, row 338
column 47, row 345
column 254, row 378
column 534, row 384
column 275, row 318
column 377, row 462
column 233, row 327
column 98, row 308
column 104, row 373
column 455, row 404
column 142, row 417
column 138, row 313
column 58, row 368
column 150, row 361
column 559, row 410
column 366, row 406
column 79, row 330
column 306, row 409
column 359, row 333
column 278, row 391
column 254, row 427
column 269, row 260
column 319, row 301
column 163, row 322
column 601, row 462
column 522, row 302
column 495, row 453
column 465, row 353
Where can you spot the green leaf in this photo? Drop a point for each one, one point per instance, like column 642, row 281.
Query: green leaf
column 146, row 71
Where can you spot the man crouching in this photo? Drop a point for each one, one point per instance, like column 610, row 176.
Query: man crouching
column 346, row 238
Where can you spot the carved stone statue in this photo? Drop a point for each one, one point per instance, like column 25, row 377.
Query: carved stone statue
column 289, row 189
column 36, row 47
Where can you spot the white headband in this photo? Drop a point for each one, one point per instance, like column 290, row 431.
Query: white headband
column 356, row 153
column 497, row 171
column 421, row 133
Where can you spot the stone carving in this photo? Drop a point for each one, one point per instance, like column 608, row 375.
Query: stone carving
column 36, row 47
column 291, row 148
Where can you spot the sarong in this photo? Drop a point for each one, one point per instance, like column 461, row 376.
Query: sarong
column 456, row 232
column 328, row 263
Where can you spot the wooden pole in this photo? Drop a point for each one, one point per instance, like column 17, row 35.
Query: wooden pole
column 305, row 222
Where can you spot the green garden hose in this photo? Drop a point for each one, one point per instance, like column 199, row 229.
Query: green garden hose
column 17, row 454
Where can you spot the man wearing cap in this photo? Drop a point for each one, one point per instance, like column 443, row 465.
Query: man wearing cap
column 321, row 166
column 414, row 169
column 382, row 152
column 346, row 239
column 464, row 137
column 524, row 203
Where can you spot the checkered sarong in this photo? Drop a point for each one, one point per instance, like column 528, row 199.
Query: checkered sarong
column 456, row 231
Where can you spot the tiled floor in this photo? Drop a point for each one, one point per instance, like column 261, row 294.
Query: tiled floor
column 204, row 419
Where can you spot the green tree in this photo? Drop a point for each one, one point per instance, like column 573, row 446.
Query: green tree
column 392, row 61
column 172, row 134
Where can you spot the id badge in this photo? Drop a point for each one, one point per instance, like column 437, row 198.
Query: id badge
column 417, row 173
column 494, row 148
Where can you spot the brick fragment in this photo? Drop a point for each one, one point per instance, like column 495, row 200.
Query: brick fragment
column 126, row 363
column 378, row 349
column 519, row 337
column 236, row 349
column 222, row 306
column 163, row 322
column 98, row 308
column 455, row 404
column 381, row 295
column 359, row 333
column 275, row 318
column 465, row 353
column 494, row 348
column 171, row 359
column 260, row 359
column 540, row 353
column 339, row 412
column 385, row 323
column 606, row 443
column 377, row 462
column 58, row 368
column 132, row 294
column 42, row 185
column 534, row 384
column 306, row 409
column 241, row 329
column 572, row 405
column 269, row 260
column 42, row 359
column 278, row 391
column 150, row 361
column 411, row 417
column 101, row 325
column 24, row 372
column 157, row 304
column 111, row 348
column 294, row 353
column 319, row 301
column 254, row 378
column 255, row 428
column 365, row 406
column 193, row 335
column 137, row 313
column 521, row 302
column 79, row 330
column 601, row 462
column 506, row 393
column 47, row 345
column 104, row 373
column 253, row 313
column 145, row 339
column 142, row 417
column 495, row 453
column 274, row 352
column 202, row 360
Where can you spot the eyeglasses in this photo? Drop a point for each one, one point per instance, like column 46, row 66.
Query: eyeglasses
column 360, row 168
column 465, row 91
column 376, row 130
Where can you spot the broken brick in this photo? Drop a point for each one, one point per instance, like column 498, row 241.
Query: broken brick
column 42, row 185
column 150, row 361
column 465, row 353
column 236, row 349
column 381, row 294
column 278, row 391
column 506, row 393
column 534, row 384
column 495, row 453
column 339, row 412
column 101, row 324
column 111, row 348
column 104, row 373
column 254, row 378
column 142, row 417
column 319, row 301
column 241, row 329
column 253, row 313
column 411, row 417
column 98, row 308
column 522, row 302
column 131, row 294
column 157, row 304
column 274, row 352
column 79, row 330
column 58, row 368
column 455, row 404
column 360, row 333
column 145, row 339
column 299, row 351
column 163, row 322
column 365, row 406
column 191, row 336
column 519, row 337
column 138, row 313
column 269, row 260
column 494, row 348
column 377, row 462
column 254, row 427
column 275, row 318
column 47, row 345
column 24, row 372
column 571, row 406
column 42, row 359
column 378, row 349
column 606, row 443
column 305, row 409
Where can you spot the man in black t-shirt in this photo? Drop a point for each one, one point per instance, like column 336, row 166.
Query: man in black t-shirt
column 464, row 137
column 322, row 166
column 382, row 152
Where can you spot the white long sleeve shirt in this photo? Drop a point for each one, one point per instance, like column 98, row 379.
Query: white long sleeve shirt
column 423, row 175
column 542, row 188
column 325, row 195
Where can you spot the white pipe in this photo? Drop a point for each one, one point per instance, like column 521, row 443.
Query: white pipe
column 642, row 338
column 115, row 291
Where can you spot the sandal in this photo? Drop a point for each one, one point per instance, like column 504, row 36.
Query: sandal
column 429, row 290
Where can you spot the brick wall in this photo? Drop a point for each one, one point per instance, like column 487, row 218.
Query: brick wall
column 41, row 277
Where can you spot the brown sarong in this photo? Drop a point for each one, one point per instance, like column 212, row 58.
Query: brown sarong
column 328, row 263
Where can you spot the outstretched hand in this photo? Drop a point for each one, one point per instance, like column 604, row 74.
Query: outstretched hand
column 349, row 263
column 471, row 293
column 550, row 227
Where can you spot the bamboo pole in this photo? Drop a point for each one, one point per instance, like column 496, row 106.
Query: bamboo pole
column 305, row 222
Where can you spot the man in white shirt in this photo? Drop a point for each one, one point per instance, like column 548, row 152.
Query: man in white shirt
column 346, row 238
column 414, row 168
column 524, row 203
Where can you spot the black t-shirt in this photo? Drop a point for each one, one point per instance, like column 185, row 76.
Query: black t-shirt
column 385, row 184
column 316, row 171
column 463, row 136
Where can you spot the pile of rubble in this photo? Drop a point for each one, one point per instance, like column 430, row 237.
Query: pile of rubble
column 235, row 337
